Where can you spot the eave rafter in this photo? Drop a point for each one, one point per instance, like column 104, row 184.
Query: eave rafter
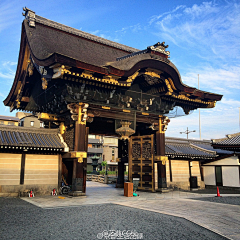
column 66, row 73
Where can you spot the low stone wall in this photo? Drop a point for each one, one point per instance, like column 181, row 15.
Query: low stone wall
column 22, row 190
column 102, row 178
column 96, row 178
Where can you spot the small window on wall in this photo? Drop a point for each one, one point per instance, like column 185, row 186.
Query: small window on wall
column 41, row 124
column 1, row 122
column 10, row 123
column 32, row 123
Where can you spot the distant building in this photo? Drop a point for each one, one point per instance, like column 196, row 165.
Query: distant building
column 11, row 121
column 224, row 170
column 95, row 152
column 208, row 163
column 110, row 152
column 29, row 120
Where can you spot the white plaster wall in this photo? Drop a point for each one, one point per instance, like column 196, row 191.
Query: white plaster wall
column 233, row 160
column 230, row 176
column 209, row 175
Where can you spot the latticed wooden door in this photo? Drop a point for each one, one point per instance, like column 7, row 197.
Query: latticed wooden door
column 141, row 163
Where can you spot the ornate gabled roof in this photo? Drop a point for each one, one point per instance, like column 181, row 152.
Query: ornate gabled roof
column 71, row 43
column 230, row 142
column 53, row 55
column 30, row 139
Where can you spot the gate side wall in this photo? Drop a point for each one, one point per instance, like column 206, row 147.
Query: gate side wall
column 180, row 174
column 41, row 174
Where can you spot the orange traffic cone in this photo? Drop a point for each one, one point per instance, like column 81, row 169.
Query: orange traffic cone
column 218, row 193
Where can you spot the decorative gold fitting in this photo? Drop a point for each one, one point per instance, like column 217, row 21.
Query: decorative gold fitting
column 103, row 107
column 79, row 155
column 162, row 159
column 47, row 116
column 44, row 83
column 62, row 128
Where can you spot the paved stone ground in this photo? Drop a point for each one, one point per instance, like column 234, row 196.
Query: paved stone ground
column 22, row 220
column 225, row 200
column 179, row 206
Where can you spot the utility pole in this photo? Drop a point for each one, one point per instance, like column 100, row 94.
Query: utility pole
column 200, row 115
column 187, row 132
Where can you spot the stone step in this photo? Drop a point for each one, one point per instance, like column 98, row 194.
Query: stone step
column 164, row 190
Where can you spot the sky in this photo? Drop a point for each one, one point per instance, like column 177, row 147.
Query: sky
column 203, row 39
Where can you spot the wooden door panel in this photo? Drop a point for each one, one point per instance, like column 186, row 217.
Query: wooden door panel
column 141, row 161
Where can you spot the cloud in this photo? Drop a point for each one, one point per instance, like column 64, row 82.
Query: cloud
column 201, row 10
column 211, row 28
column 223, row 80
column 215, row 122
column 118, row 34
column 133, row 28
column 157, row 17
column 7, row 72
column 8, row 12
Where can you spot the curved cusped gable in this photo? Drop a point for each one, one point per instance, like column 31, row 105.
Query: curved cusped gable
column 54, row 55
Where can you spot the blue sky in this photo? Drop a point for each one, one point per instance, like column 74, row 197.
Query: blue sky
column 203, row 38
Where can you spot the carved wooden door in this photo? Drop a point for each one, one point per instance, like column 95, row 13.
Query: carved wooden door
column 141, row 161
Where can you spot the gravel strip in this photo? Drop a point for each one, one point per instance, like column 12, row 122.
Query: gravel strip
column 226, row 200
column 22, row 220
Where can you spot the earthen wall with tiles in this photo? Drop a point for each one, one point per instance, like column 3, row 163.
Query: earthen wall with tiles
column 41, row 173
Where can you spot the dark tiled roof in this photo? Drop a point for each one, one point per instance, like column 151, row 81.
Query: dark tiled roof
column 30, row 138
column 188, row 150
column 8, row 118
column 210, row 147
column 178, row 147
column 71, row 43
column 231, row 139
column 83, row 34
column 231, row 142
column 202, row 144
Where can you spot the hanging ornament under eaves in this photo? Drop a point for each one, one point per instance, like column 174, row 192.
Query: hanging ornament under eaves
column 125, row 131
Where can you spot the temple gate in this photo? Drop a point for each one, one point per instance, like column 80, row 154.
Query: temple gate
column 84, row 84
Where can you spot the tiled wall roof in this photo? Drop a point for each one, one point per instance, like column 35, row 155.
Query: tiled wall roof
column 30, row 139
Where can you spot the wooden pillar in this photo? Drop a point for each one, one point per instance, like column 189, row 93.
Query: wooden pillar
column 120, row 179
column 123, row 158
column 160, row 151
column 80, row 164
column 22, row 172
column 59, row 170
